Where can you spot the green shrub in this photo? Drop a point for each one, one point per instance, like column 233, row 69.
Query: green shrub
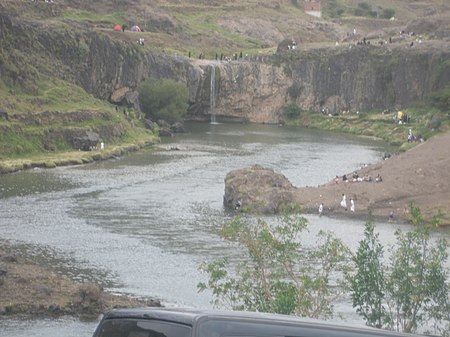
column 409, row 290
column 333, row 9
column 295, row 90
column 441, row 99
column 365, row 9
column 364, row 6
column 291, row 110
column 163, row 99
column 388, row 13
column 269, row 277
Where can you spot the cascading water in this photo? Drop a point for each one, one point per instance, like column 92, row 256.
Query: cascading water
column 212, row 95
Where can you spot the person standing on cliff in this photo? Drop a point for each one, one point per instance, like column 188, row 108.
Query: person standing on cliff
column 352, row 205
column 321, row 209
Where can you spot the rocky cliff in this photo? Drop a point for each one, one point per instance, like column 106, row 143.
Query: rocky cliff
column 356, row 78
column 106, row 66
column 248, row 89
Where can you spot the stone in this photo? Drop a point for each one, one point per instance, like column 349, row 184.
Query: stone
column 258, row 190
column 87, row 142
column 177, row 127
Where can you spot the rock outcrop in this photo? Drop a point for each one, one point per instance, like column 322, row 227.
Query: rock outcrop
column 360, row 78
column 257, row 190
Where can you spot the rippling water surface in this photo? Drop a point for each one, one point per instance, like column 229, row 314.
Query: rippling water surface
column 143, row 223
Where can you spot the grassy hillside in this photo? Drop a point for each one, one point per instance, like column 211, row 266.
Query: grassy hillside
column 233, row 26
column 251, row 26
column 34, row 90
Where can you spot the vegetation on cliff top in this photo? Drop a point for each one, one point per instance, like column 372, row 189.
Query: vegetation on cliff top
column 424, row 123
column 45, row 103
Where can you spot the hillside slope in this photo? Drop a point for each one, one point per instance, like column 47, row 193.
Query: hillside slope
column 64, row 71
column 228, row 26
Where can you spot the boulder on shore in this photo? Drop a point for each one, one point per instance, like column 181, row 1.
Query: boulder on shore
column 418, row 177
column 257, row 190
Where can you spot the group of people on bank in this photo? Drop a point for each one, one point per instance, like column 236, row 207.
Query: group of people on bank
column 355, row 178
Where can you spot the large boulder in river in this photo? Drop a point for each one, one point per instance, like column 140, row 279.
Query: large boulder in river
column 257, row 190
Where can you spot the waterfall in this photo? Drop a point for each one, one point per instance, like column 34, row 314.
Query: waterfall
column 212, row 95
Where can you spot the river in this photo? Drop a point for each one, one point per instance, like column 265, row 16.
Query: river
column 143, row 223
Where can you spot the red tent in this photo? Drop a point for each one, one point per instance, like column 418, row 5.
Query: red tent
column 118, row 28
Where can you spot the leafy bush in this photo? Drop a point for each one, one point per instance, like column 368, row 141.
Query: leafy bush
column 333, row 9
column 275, row 273
column 410, row 290
column 388, row 13
column 292, row 110
column 365, row 9
column 364, row 6
column 295, row 90
column 441, row 99
column 163, row 99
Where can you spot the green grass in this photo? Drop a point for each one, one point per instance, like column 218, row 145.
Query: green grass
column 197, row 24
column 63, row 96
column 25, row 138
column 378, row 125
column 52, row 95
column 92, row 17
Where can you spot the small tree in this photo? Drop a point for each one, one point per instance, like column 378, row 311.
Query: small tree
column 367, row 286
column 276, row 274
column 409, row 291
column 163, row 99
column 292, row 110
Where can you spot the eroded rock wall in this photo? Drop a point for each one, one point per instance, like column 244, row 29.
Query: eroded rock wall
column 360, row 78
column 368, row 77
column 243, row 91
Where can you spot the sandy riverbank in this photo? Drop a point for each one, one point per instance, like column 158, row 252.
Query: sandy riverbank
column 420, row 176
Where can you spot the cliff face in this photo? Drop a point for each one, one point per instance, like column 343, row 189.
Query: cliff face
column 105, row 66
column 360, row 78
column 238, row 91
column 368, row 77
column 341, row 78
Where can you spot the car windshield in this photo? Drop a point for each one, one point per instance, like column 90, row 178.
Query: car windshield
column 142, row 328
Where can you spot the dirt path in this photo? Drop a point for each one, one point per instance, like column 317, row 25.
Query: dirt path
column 420, row 175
